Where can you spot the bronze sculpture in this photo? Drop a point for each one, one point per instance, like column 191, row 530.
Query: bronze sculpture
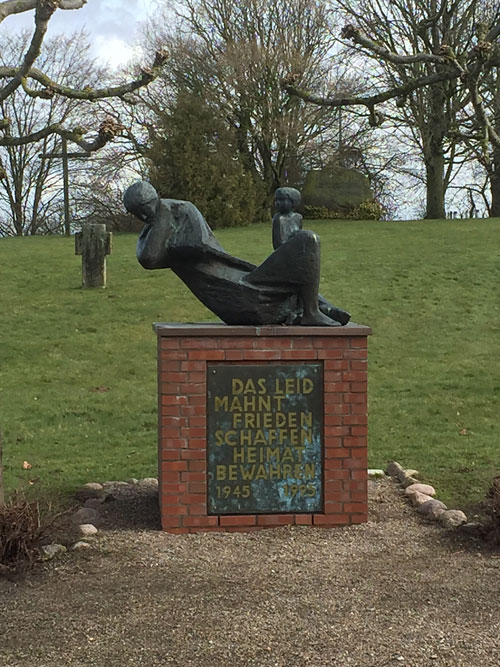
column 281, row 290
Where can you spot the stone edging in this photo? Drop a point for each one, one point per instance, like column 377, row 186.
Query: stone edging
column 422, row 498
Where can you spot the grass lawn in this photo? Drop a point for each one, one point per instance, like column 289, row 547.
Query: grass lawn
column 78, row 367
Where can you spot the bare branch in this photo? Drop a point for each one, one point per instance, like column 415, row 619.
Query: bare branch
column 11, row 7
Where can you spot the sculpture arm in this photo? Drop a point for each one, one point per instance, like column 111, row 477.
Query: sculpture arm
column 153, row 245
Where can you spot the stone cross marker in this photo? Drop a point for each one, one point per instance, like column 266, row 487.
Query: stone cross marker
column 93, row 243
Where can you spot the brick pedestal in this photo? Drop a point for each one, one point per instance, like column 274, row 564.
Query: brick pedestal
column 184, row 350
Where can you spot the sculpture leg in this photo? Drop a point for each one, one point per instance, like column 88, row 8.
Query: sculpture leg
column 296, row 264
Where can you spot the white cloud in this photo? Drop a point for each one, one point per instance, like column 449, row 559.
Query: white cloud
column 111, row 24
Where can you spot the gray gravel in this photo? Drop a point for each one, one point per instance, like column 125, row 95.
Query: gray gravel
column 395, row 591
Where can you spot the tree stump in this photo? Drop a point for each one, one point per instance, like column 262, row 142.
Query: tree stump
column 93, row 243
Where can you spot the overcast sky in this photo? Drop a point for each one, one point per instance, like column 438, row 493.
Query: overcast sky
column 112, row 25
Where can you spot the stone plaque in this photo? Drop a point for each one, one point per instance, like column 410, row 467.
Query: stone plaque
column 265, row 438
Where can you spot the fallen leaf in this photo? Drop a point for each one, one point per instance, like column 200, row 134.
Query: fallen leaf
column 463, row 432
column 26, row 465
column 100, row 390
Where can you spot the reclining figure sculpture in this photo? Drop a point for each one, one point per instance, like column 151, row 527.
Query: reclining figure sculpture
column 281, row 290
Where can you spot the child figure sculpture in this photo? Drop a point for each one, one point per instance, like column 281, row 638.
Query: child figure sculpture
column 286, row 223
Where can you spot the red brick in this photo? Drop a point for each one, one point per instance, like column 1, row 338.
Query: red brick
column 332, row 376
column 335, row 453
column 355, row 464
column 170, row 388
column 169, row 466
column 358, row 496
column 198, row 378
column 199, row 343
column 336, row 365
column 359, row 518
column 337, row 430
column 197, row 422
column 359, row 443
column 169, row 399
column 358, row 409
column 299, row 354
column 174, row 354
column 262, row 354
column 197, row 466
column 194, row 410
column 359, row 474
column 356, row 354
column 170, row 454
column 358, row 387
column 235, row 343
column 333, row 420
column 193, row 366
column 173, row 443
column 176, row 377
column 193, row 477
column 353, row 486
column 355, row 398
column 354, row 376
column 334, row 485
column 202, row 521
column 209, row 355
column 337, row 474
column 198, row 509
column 337, row 409
column 357, row 420
column 333, row 507
column 194, row 432
column 264, row 343
column 197, row 487
column 170, row 521
column 303, row 519
column 362, row 341
column 168, row 343
column 331, row 397
column 173, row 510
column 173, row 421
column 337, row 386
column 168, row 487
column 240, row 520
column 301, row 343
column 170, row 476
column 234, row 355
column 170, row 365
column 359, row 365
column 332, row 443
column 337, row 497
column 359, row 431
column 275, row 519
column 197, row 443
column 197, row 400
column 331, row 354
column 337, row 343
column 191, row 388
column 193, row 454
column 333, row 464
column 171, row 499
column 327, row 520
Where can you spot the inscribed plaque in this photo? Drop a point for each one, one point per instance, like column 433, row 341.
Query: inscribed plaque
column 265, row 438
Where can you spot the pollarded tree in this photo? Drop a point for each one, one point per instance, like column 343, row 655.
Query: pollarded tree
column 234, row 54
column 22, row 73
column 30, row 190
column 436, row 56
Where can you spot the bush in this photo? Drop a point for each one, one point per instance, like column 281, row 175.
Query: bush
column 368, row 210
column 21, row 532
column 493, row 509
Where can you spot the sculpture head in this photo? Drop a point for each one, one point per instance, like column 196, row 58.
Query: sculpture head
column 141, row 199
column 286, row 199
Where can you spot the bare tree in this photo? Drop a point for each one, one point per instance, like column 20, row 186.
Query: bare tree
column 36, row 83
column 426, row 73
column 235, row 53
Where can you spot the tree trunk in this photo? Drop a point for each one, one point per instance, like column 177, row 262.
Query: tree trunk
column 495, row 186
column 434, row 169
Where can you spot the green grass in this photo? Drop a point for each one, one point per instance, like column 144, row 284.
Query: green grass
column 429, row 290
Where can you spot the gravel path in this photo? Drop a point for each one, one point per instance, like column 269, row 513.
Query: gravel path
column 395, row 591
